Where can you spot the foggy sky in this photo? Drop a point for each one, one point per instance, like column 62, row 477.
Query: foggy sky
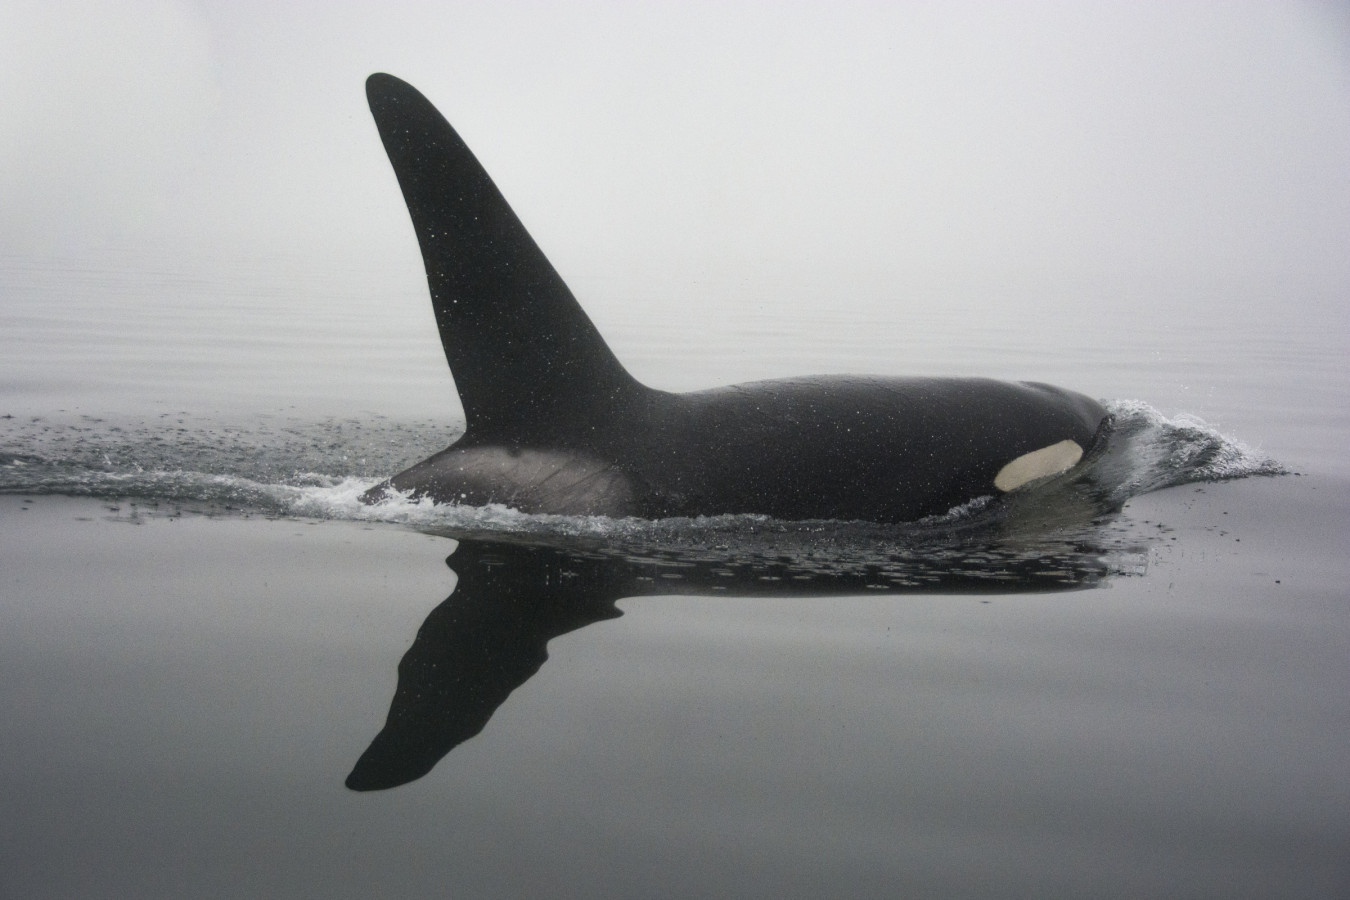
column 701, row 141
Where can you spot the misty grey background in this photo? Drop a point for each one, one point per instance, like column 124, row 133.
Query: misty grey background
column 785, row 189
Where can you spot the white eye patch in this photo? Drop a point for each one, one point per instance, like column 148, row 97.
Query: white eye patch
column 1038, row 464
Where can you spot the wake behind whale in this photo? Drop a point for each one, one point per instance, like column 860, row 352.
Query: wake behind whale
column 556, row 425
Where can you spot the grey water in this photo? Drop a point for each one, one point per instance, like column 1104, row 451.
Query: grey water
column 220, row 674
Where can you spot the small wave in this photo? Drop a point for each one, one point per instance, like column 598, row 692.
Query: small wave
column 1147, row 451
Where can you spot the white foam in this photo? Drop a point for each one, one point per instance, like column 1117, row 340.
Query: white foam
column 1183, row 449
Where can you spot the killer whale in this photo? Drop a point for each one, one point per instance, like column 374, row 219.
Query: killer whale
column 555, row 424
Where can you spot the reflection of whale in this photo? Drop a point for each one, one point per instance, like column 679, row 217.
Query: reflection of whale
column 513, row 596
column 556, row 425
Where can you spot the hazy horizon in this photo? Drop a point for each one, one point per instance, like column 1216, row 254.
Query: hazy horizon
column 720, row 140
column 195, row 198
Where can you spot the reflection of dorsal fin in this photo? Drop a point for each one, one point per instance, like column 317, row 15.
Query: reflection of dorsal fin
column 527, row 361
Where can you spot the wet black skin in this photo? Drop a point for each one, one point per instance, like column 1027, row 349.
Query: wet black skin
column 875, row 449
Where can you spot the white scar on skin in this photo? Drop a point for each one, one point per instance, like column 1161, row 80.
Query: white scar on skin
column 1038, row 464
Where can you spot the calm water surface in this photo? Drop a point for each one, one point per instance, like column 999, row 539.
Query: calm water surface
column 200, row 649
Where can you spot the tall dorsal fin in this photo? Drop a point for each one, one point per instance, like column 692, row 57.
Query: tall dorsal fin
column 526, row 359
